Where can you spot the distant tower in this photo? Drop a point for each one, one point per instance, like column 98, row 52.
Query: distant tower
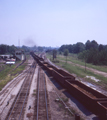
column 19, row 43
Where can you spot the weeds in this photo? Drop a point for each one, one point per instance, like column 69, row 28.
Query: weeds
column 9, row 73
column 80, row 72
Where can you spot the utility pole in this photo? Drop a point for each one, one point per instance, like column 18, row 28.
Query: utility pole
column 85, row 63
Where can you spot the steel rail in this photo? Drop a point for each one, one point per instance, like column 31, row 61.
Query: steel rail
column 15, row 102
column 64, row 104
column 38, row 94
column 37, row 116
column 18, row 96
column 15, row 83
column 46, row 97
column 26, row 95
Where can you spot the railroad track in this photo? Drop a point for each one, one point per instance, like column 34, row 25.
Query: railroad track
column 17, row 110
column 6, row 92
column 42, row 111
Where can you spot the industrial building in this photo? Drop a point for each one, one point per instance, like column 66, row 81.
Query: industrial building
column 19, row 54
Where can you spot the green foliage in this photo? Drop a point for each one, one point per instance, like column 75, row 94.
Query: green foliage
column 75, row 48
column 4, row 49
column 66, row 52
column 91, row 44
column 73, row 59
column 89, row 52
column 25, row 48
column 9, row 73
column 94, row 56
column 83, row 55
column 54, row 54
column 40, row 48
column 55, row 61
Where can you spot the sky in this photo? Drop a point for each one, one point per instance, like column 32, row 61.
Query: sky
column 52, row 22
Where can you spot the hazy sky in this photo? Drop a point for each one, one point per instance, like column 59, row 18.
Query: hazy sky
column 52, row 22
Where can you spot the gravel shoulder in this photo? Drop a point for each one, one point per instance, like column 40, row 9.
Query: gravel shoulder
column 29, row 113
column 58, row 110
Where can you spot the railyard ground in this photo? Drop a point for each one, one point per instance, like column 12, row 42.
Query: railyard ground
column 58, row 111
column 57, row 108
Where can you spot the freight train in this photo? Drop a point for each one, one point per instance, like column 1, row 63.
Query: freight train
column 92, row 99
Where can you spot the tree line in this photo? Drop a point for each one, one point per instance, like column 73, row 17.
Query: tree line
column 91, row 52
column 6, row 49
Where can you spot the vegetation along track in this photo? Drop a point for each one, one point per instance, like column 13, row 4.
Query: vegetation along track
column 17, row 110
column 42, row 110
column 7, row 90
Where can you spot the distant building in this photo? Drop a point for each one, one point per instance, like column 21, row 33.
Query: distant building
column 19, row 54
column 4, row 57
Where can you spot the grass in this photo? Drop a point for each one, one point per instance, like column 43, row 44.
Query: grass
column 65, row 99
column 34, row 90
column 80, row 72
column 77, row 61
column 9, row 73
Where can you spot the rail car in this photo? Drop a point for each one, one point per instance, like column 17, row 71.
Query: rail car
column 92, row 99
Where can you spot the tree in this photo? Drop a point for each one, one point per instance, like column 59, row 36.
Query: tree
column 79, row 47
column 25, row 48
column 70, row 48
column 83, row 55
column 66, row 52
column 88, row 45
column 54, row 54
column 62, row 48
column 3, row 49
column 40, row 48
column 100, row 47
column 93, row 44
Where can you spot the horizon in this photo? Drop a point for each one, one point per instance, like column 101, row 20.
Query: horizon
column 52, row 46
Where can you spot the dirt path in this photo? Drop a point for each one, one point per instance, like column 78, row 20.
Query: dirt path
column 104, row 74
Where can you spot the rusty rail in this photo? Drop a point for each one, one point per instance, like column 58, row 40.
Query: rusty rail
column 22, row 91
column 38, row 96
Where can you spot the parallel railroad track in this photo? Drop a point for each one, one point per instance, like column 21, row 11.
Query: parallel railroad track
column 42, row 111
column 17, row 110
